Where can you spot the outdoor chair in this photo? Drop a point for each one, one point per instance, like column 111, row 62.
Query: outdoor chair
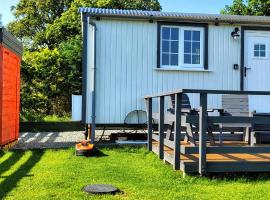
column 190, row 128
column 235, row 105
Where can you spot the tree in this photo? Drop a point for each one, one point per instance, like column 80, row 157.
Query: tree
column 67, row 25
column 33, row 17
column 248, row 7
column 51, row 33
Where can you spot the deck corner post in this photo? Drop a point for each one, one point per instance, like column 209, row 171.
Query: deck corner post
column 177, row 132
column 202, row 136
column 161, row 127
column 149, row 124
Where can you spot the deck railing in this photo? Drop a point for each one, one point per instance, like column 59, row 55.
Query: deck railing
column 203, row 119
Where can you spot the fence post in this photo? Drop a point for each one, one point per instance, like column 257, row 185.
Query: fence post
column 177, row 132
column 149, row 124
column 161, row 127
column 202, row 135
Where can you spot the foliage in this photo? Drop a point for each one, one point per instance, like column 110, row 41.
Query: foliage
column 58, row 174
column 248, row 7
column 49, row 79
column 51, row 33
column 26, row 117
column 33, row 17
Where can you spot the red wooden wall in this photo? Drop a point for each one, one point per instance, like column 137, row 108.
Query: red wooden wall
column 9, row 95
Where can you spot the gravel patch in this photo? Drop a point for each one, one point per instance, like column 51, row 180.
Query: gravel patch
column 45, row 140
column 54, row 140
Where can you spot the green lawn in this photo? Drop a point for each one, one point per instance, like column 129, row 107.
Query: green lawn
column 58, row 174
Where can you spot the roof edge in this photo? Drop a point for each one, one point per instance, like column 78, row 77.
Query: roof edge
column 11, row 42
column 174, row 16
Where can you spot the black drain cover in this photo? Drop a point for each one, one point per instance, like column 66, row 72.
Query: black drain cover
column 100, row 189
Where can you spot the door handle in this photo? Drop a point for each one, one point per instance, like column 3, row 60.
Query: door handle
column 245, row 70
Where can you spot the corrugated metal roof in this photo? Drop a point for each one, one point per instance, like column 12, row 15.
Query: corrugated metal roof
column 156, row 15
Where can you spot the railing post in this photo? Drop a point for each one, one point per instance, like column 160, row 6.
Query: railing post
column 161, row 127
column 177, row 132
column 202, row 135
column 149, row 124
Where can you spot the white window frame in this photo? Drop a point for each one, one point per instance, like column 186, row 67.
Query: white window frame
column 181, row 64
column 260, row 57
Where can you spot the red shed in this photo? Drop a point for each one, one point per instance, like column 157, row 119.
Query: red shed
column 10, row 59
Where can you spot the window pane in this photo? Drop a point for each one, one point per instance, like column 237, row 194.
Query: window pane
column 174, row 59
column 256, row 53
column 196, row 35
column 165, row 46
column 187, row 35
column 262, row 47
column 165, row 33
column 262, row 54
column 196, row 47
column 165, row 59
column 195, row 59
column 174, row 47
column 174, row 33
column 187, row 58
column 187, row 47
column 256, row 47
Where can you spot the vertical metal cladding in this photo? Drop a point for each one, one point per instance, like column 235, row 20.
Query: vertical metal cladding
column 126, row 68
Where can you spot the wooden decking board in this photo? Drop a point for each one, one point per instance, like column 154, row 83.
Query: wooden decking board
column 227, row 136
column 228, row 167
column 244, row 157
column 228, row 157
column 220, row 162
column 227, row 149
column 225, row 143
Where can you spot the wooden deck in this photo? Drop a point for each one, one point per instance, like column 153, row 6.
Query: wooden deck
column 201, row 157
column 221, row 162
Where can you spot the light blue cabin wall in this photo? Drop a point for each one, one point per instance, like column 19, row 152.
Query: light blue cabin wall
column 126, row 71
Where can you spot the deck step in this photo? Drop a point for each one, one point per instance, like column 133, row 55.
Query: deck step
column 227, row 149
column 222, row 159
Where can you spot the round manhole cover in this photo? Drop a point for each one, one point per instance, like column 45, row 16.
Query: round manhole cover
column 100, row 189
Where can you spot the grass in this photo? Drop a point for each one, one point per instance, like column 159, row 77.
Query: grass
column 40, row 118
column 58, row 174
column 55, row 118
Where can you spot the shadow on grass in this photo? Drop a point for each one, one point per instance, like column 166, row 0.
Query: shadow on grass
column 95, row 153
column 12, row 160
column 99, row 153
column 241, row 177
column 123, row 148
column 11, row 181
column 1, row 153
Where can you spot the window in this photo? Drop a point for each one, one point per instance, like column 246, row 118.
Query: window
column 170, row 46
column 182, row 47
column 192, row 47
column 260, row 50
